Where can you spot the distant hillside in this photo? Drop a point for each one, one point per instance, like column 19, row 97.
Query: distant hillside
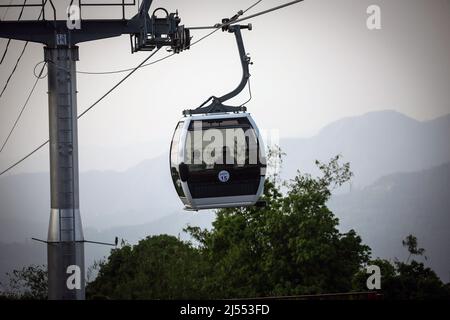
column 383, row 214
column 142, row 201
column 172, row 224
column 376, row 144
column 136, row 196
column 400, row 204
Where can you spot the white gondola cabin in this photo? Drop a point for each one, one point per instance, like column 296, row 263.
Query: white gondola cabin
column 217, row 161
column 217, row 156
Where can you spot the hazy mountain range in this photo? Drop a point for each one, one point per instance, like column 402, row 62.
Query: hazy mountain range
column 376, row 144
column 401, row 186
column 400, row 204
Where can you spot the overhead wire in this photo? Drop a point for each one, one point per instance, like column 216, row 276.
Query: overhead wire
column 24, row 158
column 251, row 7
column 265, row 12
column 22, row 110
column 118, row 84
column 18, row 19
column 32, row 89
column 141, row 65
column 220, row 25
column 82, row 114
column 14, row 69
column 21, row 53
column 217, row 28
column 7, row 9
column 9, row 40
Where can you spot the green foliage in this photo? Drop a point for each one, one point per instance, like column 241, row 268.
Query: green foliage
column 405, row 281
column 159, row 267
column 290, row 247
column 411, row 243
column 415, row 281
column 29, row 283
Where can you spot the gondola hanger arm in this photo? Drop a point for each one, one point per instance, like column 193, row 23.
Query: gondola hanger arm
column 217, row 102
column 245, row 61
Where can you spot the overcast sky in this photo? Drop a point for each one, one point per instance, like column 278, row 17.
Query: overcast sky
column 314, row 63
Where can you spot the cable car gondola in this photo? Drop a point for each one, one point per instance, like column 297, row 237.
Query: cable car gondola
column 217, row 156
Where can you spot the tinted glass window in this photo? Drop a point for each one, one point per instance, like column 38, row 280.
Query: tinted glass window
column 175, row 144
column 214, row 143
column 174, row 159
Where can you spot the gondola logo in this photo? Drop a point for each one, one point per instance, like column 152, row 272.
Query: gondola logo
column 224, row 176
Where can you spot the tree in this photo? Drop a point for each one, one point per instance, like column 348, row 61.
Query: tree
column 290, row 247
column 158, row 267
column 29, row 283
column 406, row 280
column 411, row 243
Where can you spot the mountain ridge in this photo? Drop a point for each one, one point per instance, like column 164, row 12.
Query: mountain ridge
column 142, row 198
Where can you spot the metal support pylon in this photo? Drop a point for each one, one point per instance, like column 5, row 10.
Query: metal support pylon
column 65, row 242
column 65, row 234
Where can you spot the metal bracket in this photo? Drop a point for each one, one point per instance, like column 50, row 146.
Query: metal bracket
column 116, row 241
column 216, row 105
column 123, row 5
column 156, row 32
column 147, row 33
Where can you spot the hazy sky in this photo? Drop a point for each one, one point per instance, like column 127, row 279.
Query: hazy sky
column 314, row 63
